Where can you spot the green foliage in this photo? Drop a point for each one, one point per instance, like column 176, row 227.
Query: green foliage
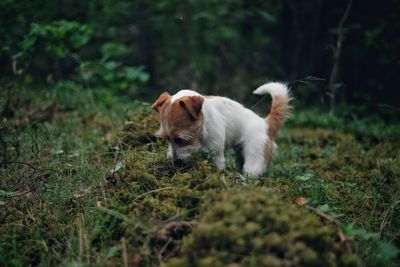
column 110, row 72
column 63, row 39
column 114, row 51
column 83, row 181
column 225, row 48
column 372, row 128
column 60, row 37
column 114, row 75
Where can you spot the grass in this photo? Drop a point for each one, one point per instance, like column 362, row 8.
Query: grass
column 83, row 182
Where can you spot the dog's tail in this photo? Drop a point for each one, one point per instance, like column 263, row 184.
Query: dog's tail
column 280, row 108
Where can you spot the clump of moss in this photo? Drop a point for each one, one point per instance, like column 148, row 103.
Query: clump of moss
column 151, row 185
column 255, row 228
column 152, row 193
column 139, row 129
column 319, row 138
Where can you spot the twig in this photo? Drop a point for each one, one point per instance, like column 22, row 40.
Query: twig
column 326, row 217
column 27, row 164
column 21, row 193
column 77, row 59
column 116, row 158
column 222, row 178
column 261, row 99
column 163, row 249
column 124, row 253
column 4, row 151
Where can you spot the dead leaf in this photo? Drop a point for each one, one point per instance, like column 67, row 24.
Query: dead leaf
column 300, row 201
column 108, row 136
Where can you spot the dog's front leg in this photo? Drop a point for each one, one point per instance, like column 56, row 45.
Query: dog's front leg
column 219, row 159
column 254, row 159
column 170, row 152
column 215, row 143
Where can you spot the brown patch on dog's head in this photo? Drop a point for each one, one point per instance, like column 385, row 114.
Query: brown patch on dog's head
column 192, row 104
column 181, row 120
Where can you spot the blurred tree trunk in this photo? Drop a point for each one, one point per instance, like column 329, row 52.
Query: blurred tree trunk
column 314, row 33
column 147, row 41
column 337, row 50
column 301, row 21
column 293, row 6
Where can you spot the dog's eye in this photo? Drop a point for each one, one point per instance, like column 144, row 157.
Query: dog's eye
column 178, row 141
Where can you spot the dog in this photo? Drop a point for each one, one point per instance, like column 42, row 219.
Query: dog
column 191, row 122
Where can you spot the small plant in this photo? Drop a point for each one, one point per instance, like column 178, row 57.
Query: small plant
column 384, row 253
column 113, row 74
column 110, row 72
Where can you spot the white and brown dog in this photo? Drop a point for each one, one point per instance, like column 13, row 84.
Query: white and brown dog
column 191, row 122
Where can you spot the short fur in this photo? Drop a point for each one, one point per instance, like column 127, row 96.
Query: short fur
column 192, row 122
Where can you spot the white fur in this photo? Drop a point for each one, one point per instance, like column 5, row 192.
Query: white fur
column 274, row 89
column 183, row 93
column 227, row 123
column 181, row 152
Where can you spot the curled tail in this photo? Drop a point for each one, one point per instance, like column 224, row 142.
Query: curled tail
column 280, row 109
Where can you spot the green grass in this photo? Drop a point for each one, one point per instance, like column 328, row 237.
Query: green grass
column 83, row 182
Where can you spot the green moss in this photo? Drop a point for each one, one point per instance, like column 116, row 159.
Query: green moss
column 150, row 191
column 139, row 129
column 255, row 228
column 73, row 210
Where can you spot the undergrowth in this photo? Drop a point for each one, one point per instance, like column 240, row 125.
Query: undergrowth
column 84, row 182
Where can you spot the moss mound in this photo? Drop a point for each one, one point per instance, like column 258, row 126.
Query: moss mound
column 139, row 129
column 159, row 201
column 255, row 228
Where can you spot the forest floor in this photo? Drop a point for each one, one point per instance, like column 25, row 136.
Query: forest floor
column 83, row 182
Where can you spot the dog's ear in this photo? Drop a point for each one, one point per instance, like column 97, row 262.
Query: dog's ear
column 160, row 101
column 193, row 105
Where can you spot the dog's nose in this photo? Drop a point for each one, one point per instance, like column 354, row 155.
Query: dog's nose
column 178, row 162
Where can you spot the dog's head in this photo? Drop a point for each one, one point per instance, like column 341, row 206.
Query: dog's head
column 180, row 125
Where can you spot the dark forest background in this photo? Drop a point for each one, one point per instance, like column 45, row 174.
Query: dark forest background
column 331, row 52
